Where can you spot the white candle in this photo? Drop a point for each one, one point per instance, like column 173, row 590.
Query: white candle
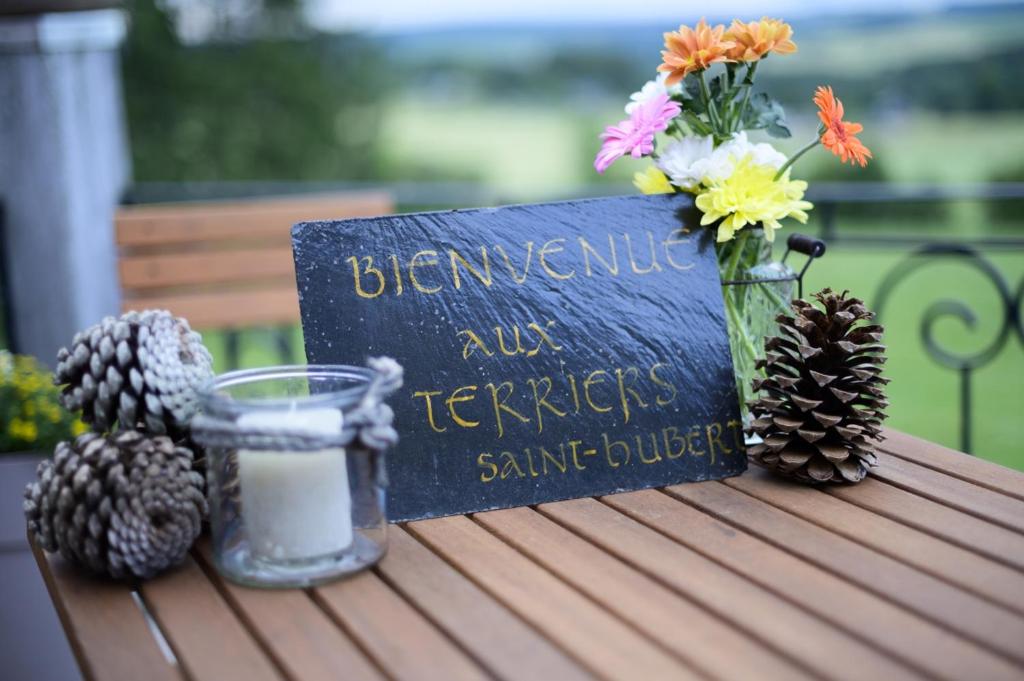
column 295, row 505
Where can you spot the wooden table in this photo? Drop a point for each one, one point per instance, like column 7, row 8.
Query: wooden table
column 917, row 572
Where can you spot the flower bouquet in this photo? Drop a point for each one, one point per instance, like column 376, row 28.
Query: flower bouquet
column 693, row 122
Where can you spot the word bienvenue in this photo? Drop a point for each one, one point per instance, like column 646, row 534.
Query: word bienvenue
column 431, row 271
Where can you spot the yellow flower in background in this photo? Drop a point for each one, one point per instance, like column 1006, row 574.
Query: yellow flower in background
column 30, row 413
column 21, row 429
column 753, row 40
column 751, row 195
column 652, row 181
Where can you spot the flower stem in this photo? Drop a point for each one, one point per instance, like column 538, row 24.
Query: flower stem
column 740, row 330
column 734, row 257
column 705, row 94
column 746, row 345
column 792, row 159
column 696, row 124
column 731, row 90
column 747, row 85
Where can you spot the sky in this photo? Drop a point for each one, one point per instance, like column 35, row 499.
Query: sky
column 397, row 15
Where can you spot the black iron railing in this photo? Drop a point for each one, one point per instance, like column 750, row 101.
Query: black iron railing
column 928, row 251
column 964, row 363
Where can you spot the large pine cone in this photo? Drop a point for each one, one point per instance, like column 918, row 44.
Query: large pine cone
column 140, row 371
column 125, row 505
column 822, row 401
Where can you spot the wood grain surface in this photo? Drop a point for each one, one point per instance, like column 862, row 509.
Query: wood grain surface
column 916, row 573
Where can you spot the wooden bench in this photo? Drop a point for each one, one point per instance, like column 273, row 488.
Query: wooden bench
column 224, row 265
column 918, row 572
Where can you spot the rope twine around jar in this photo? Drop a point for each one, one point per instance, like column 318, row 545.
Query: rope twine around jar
column 368, row 426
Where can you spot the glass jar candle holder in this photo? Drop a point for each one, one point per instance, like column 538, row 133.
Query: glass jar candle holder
column 296, row 494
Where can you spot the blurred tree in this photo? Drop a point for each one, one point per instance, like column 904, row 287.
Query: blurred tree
column 984, row 83
column 257, row 96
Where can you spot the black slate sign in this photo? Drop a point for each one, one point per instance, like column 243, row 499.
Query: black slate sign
column 551, row 351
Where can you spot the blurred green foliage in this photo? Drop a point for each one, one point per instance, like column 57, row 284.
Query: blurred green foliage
column 824, row 167
column 979, row 84
column 287, row 102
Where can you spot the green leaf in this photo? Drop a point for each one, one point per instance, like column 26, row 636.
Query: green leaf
column 683, row 94
column 717, row 86
column 778, row 130
column 691, row 91
column 765, row 113
column 698, row 125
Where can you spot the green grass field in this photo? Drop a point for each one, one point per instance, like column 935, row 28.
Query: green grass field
column 535, row 151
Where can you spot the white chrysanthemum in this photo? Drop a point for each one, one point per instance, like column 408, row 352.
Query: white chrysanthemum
column 651, row 89
column 763, row 153
column 721, row 162
column 683, row 160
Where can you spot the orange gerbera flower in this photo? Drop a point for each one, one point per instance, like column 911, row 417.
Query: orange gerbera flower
column 693, row 49
column 839, row 137
column 755, row 39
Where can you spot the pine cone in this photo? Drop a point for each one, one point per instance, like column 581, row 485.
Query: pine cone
column 140, row 371
column 124, row 505
column 823, row 397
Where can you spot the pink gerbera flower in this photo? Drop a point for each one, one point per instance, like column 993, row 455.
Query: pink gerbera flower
column 635, row 135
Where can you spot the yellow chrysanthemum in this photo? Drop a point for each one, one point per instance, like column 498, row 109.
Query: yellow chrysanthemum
column 753, row 40
column 652, row 181
column 751, row 195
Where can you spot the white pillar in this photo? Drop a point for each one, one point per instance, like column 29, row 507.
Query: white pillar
column 63, row 165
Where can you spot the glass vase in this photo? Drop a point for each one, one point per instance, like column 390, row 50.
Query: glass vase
column 756, row 290
column 293, row 502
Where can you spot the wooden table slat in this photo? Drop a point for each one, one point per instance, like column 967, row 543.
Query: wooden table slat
column 597, row 639
column 928, row 647
column 917, row 572
column 951, row 462
column 106, row 629
column 508, row 647
column 822, row 648
column 953, row 492
column 965, row 530
column 716, row 647
column 986, row 624
column 401, row 640
column 996, row 582
column 207, row 637
column 294, row 630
